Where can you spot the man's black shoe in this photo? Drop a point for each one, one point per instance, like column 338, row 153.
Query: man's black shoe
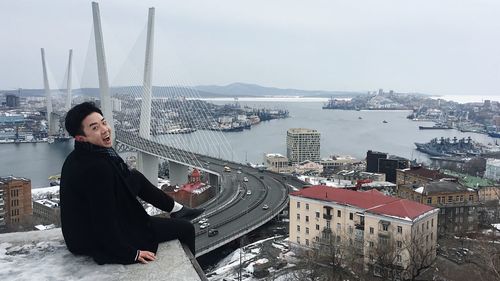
column 187, row 213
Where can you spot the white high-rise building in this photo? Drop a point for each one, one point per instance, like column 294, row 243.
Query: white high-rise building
column 302, row 144
column 492, row 169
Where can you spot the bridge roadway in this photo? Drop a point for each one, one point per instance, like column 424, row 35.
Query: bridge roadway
column 232, row 212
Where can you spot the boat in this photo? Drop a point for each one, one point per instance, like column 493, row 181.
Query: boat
column 360, row 117
column 435, row 127
column 494, row 134
column 180, row 131
column 384, row 122
column 446, row 147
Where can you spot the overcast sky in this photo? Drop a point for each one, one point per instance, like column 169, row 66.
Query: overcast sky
column 429, row 46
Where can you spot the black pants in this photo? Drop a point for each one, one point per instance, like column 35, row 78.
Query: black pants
column 166, row 229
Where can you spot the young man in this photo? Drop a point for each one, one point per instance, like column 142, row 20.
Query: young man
column 100, row 214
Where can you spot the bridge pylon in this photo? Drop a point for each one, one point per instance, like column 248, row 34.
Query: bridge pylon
column 146, row 163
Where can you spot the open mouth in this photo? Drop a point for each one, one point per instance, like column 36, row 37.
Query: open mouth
column 107, row 139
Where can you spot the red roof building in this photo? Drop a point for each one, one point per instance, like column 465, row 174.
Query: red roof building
column 365, row 222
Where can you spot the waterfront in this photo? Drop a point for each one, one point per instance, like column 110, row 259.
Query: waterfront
column 342, row 133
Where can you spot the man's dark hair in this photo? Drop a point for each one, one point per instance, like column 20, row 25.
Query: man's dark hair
column 75, row 116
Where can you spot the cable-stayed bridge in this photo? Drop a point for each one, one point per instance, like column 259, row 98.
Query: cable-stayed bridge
column 240, row 195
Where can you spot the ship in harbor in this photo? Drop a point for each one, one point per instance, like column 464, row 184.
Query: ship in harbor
column 493, row 131
column 437, row 126
column 446, row 147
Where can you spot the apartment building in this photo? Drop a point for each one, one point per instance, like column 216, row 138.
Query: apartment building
column 47, row 211
column 363, row 222
column 277, row 163
column 457, row 203
column 16, row 201
column 419, row 175
column 302, row 144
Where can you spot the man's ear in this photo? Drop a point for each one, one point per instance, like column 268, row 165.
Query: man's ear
column 79, row 138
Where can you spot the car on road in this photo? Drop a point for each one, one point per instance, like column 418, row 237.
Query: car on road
column 249, row 192
column 265, row 207
column 203, row 220
column 261, row 177
column 245, row 179
column 238, row 172
column 205, row 225
column 212, row 232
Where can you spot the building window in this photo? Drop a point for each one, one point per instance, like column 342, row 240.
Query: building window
column 461, row 198
column 350, row 229
column 307, row 206
column 427, row 225
column 450, row 199
column 339, row 213
column 385, row 227
column 307, row 242
column 429, row 200
column 298, row 240
column 371, row 244
column 432, row 223
column 400, row 229
column 432, row 236
column 471, row 197
column 399, row 244
column 298, row 228
column 317, row 214
column 328, row 224
column 307, row 230
column 398, row 258
column 307, row 218
column 371, row 230
column 426, row 238
column 317, row 227
column 338, row 226
column 298, row 205
column 298, row 216
column 351, row 216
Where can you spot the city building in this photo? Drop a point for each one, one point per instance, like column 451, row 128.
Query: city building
column 419, row 175
column 492, row 169
column 390, row 165
column 47, row 211
column 193, row 193
column 12, row 100
column 308, row 168
column 2, row 210
column 457, row 203
column 355, row 175
column 17, row 202
column 302, row 144
column 363, row 223
column 338, row 162
column 372, row 159
column 277, row 163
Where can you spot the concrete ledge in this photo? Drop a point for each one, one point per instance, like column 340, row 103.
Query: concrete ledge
column 42, row 255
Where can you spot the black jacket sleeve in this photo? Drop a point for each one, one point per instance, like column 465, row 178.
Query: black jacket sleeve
column 150, row 193
column 103, row 211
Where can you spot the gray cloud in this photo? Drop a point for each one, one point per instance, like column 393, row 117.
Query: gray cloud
column 440, row 47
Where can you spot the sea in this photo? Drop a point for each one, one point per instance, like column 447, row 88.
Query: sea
column 342, row 133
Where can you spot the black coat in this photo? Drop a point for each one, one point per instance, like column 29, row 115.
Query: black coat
column 100, row 214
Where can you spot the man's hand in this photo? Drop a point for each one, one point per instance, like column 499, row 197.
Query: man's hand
column 146, row 256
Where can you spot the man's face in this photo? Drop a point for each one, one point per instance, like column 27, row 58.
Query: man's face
column 96, row 130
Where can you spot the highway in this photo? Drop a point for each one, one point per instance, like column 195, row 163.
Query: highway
column 233, row 212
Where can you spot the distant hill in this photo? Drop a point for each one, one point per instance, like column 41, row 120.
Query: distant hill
column 210, row 91
column 252, row 90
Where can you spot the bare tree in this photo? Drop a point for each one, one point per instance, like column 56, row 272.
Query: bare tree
column 405, row 259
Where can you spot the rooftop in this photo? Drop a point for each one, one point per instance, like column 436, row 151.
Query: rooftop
column 372, row 201
column 42, row 255
column 426, row 173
